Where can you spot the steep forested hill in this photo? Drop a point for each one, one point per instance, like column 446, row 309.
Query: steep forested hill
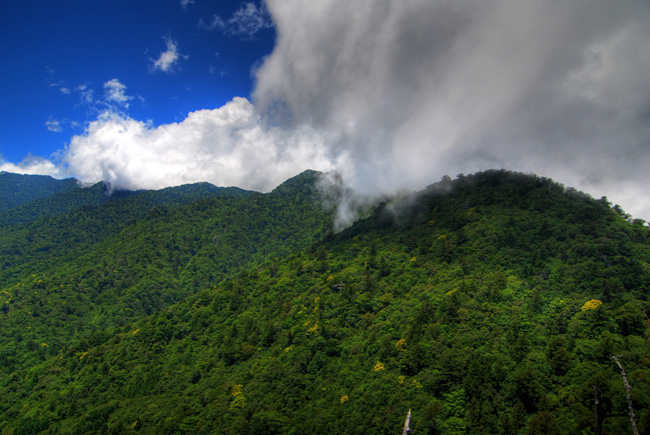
column 489, row 304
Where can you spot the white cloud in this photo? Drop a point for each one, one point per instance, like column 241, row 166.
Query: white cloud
column 415, row 89
column 227, row 146
column 115, row 93
column 85, row 94
column 56, row 82
column 168, row 59
column 245, row 22
column 397, row 94
column 32, row 165
column 53, row 125
column 186, row 3
column 59, row 125
column 114, row 97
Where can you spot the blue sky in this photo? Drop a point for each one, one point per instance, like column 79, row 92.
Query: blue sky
column 58, row 56
column 393, row 95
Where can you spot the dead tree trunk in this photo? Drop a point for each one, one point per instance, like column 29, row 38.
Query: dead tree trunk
column 407, row 429
column 628, row 390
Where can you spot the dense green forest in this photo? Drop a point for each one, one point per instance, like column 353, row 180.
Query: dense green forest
column 79, row 275
column 488, row 304
column 64, row 225
column 90, row 197
column 17, row 190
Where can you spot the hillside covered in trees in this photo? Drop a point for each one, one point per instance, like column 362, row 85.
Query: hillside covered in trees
column 488, row 304
column 78, row 275
column 17, row 190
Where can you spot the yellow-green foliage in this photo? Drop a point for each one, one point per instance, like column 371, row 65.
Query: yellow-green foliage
column 591, row 305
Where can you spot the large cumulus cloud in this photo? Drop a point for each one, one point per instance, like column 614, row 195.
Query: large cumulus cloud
column 395, row 94
column 227, row 146
column 419, row 88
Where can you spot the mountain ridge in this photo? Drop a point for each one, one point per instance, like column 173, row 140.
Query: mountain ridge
column 18, row 189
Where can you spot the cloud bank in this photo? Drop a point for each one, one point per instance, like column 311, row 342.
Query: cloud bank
column 396, row 94
column 418, row 88
column 33, row 165
column 231, row 145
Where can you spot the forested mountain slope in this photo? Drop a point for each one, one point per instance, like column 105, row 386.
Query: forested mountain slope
column 488, row 304
column 76, row 277
column 97, row 194
column 65, row 225
column 16, row 189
